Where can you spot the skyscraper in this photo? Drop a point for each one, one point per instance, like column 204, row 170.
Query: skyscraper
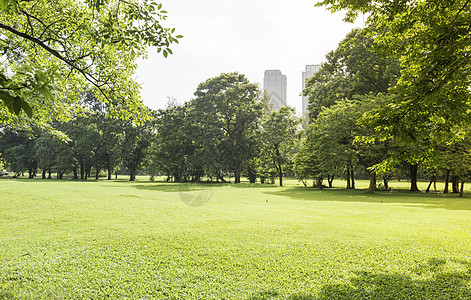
column 310, row 70
column 275, row 84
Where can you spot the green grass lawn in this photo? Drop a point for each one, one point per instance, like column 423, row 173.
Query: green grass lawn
column 120, row 239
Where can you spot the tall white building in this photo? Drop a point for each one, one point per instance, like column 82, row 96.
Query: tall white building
column 275, row 84
column 310, row 70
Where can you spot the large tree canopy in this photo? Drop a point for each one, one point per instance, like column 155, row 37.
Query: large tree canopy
column 351, row 69
column 431, row 40
column 226, row 113
column 51, row 50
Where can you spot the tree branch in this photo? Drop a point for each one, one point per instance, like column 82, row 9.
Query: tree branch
column 55, row 53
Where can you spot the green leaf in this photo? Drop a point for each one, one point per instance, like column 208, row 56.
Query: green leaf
column 26, row 108
column 17, row 105
column 165, row 53
column 3, row 4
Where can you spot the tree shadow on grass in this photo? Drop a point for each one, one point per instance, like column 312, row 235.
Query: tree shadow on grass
column 178, row 186
column 431, row 280
column 445, row 201
column 168, row 187
column 435, row 282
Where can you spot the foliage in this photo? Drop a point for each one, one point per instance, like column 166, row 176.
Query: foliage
column 225, row 112
column 17, row 148
column 53, row 49
column 431, row 40
column 134, row 145
column 354, row 68
column 173, row 150
column 279, row 138
column 335, row 141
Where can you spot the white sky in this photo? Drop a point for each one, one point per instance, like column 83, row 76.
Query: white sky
column 248, row 36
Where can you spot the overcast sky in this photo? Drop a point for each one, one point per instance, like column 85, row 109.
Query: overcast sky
column 247, row 36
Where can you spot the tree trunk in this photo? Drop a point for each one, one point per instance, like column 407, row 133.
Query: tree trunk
column 82, row 171
column 455, row 184
column 386, row 184
column 237, row 176
column 432, row 181
column 222, row 178
column 132, row 175
column 75, row 173
column 352, row 178
column 447, row 179
column 97, row 173
column 348, row 177
column 43, row 176
column 49, row 176
column 372, row 186
column 413, row 178
column 462, row 188
column 109, row 173
column 280, row 175
column 319, row 180
column 330, row 180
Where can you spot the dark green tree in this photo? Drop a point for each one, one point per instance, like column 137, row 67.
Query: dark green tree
column 279, row 135
column 134, row 144
column 351, row 69
column 18, row 151
column 431, row 41
column 226, row 112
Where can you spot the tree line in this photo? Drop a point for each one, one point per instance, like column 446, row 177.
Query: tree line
column 395, row 94
column 393, row 97
column 228, row 129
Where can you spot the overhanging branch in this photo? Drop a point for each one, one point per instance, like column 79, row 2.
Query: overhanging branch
column 55, row 53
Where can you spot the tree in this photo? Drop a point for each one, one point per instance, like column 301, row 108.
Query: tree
column 279, row 130
column 431, row 40
column 45, row 154
column 173, row 151
column 335, row 142
column 351, row 69
column 52, row 49
column 17, row 148
column 226, row 112
column 134, row 145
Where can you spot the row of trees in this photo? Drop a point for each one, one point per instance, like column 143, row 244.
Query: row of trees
column 227, row 129
column 394, row 94
column 93, row 141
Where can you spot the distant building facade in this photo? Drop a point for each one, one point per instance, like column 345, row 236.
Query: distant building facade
column 274, row 82
column 310, row 70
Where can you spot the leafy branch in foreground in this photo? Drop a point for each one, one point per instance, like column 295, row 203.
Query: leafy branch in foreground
column 52, row 49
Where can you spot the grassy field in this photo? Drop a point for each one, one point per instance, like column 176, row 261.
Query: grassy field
column 140, row 240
